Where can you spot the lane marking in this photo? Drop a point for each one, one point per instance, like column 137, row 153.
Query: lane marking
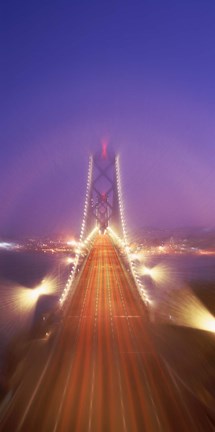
column 36, row 389
column 72, row 357
column 173, row 376
column 114, row 339
column 130, row 329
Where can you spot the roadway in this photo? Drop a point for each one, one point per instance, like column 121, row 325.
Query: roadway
column 104, row 372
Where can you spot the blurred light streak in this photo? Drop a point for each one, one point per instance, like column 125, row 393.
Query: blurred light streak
column 161, row 274
column 69, row 260
column 135, row 256
column 72, row 242
column 196, row 315
column 8, row 246
column 187, row 310
column 18, row 304
column 28, row 297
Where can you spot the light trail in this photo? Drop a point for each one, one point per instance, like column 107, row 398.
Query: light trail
column 46, row 287
column 194, row 314
column 105, row 373
column 18, row 304
column 186, row 310
column 162, row 275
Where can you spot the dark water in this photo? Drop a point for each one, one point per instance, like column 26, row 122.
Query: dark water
column 21, row 272
column 26, row 269
column 186, row 267
column 181, row 273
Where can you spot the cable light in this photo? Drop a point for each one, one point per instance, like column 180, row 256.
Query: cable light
column 82, row 232
column 124, row 242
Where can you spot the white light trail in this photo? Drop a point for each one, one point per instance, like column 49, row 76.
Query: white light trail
column 30, row 296
column 188, row 311
column 18, row 304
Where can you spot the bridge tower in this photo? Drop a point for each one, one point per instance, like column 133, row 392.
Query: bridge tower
column 103, row 197
column 103, row 209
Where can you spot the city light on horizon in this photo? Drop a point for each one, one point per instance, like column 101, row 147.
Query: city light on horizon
column 72, row 242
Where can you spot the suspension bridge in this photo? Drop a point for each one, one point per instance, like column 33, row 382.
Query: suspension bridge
column 103, row 371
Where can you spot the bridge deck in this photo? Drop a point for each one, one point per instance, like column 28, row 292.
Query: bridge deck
column 104, row 373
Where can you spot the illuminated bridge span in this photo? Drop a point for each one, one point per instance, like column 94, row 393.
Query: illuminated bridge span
column 102, row 372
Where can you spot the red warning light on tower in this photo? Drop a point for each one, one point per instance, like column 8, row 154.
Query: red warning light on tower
column 104, row 196
column 104, row 148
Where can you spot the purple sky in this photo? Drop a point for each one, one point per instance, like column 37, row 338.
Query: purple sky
column 141, row 73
